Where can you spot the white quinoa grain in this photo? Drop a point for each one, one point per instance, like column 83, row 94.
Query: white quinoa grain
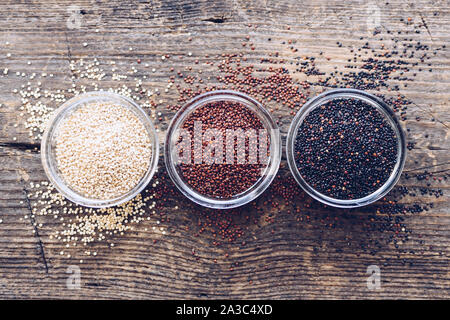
column 102, row 150
column 81, row 226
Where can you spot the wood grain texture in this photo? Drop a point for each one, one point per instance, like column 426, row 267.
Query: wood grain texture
column 283, row 259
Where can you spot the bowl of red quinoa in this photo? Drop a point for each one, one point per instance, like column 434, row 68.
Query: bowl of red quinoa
column 100, row 149
column 222, row 149
column 346, row 148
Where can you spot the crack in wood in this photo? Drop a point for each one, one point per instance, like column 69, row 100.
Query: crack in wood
column 426, row 26
column 431, row 114
column 427, row 167
column 69, row 53
column 33, row 147
column 215, row 19
column 69, row 57
column 436, row 148
column 36, row 231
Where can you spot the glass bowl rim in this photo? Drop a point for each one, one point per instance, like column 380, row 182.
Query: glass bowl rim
column 380, row 105
column 251, row 193
column 61, row 113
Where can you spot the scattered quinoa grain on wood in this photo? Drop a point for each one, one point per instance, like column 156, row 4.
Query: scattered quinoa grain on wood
column 387, row 218
column 75, row 224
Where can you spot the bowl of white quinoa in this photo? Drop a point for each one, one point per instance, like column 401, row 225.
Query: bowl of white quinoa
column 100, row 149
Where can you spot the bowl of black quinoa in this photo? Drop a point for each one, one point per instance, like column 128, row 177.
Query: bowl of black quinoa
column 346, row 148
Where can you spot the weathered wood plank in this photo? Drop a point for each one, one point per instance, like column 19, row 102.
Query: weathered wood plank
column 283, row 259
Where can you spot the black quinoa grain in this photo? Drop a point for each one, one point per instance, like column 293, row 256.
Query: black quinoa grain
column 345, row 149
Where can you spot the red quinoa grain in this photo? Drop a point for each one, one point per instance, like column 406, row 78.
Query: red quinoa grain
column 223, row 180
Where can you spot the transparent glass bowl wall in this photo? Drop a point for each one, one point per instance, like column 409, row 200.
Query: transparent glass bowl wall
column 48, row 146
column 172, row 137
column 384, row 109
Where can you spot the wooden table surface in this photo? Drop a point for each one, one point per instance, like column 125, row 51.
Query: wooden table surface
column 314, row 254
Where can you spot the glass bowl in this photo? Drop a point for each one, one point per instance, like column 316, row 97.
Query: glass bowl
column 389, row 115
column 172, row 161
column 48, row 147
